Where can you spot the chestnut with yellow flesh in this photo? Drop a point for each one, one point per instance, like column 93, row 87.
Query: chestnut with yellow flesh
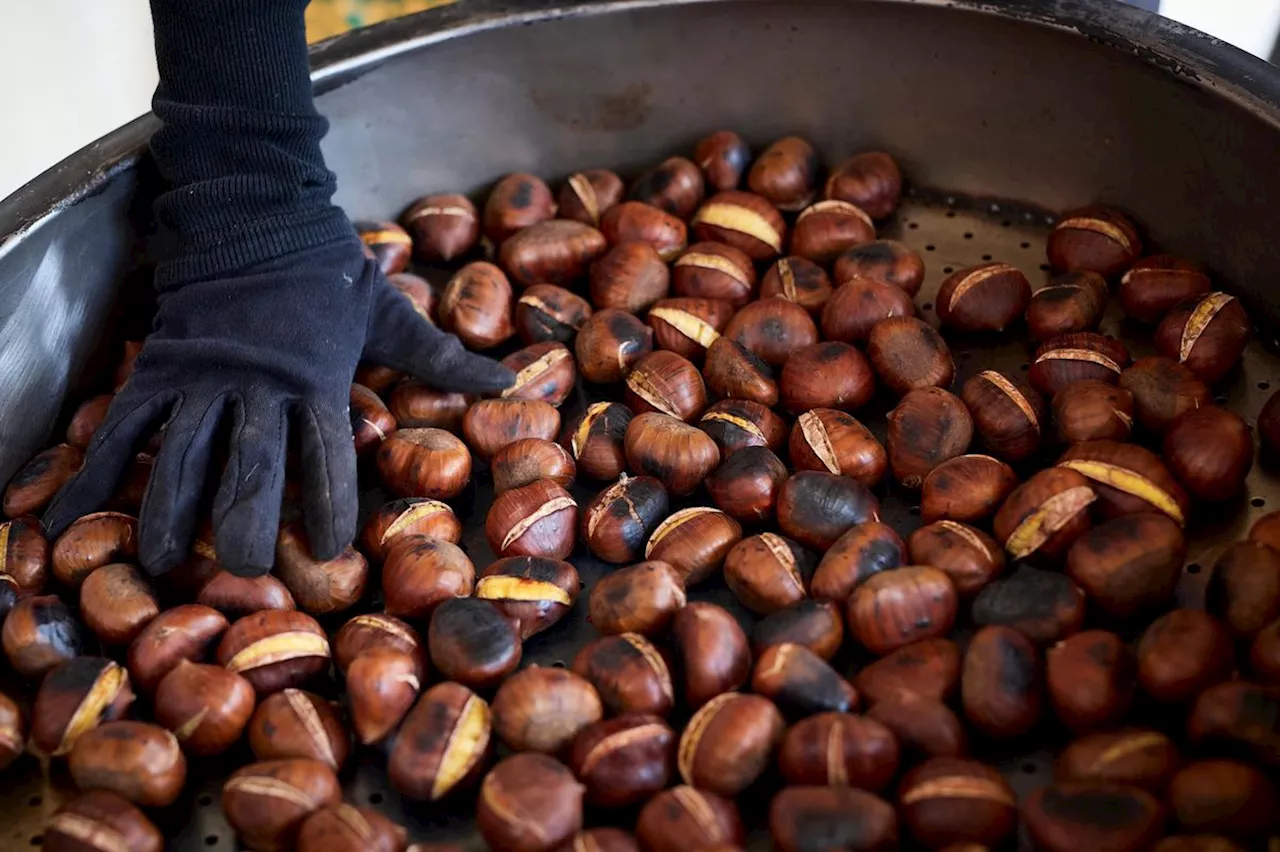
column 1129, row 481
column 1047, row 519
column 690, row 325
column 725, row 214
column 109, row 686
column 442, row 742
column 537, row 371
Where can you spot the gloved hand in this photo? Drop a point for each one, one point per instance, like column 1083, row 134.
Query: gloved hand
column 256, row 358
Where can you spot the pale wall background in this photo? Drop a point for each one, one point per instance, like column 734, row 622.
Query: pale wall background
column 73, row 70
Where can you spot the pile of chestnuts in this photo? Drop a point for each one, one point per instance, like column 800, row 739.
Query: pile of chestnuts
column 724, row 354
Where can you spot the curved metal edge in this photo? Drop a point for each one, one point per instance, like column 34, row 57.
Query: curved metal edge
column 1176, row 49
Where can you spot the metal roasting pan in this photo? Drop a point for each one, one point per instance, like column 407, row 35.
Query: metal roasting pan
column 1001, row 113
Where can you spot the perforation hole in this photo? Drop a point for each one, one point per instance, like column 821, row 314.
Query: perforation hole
column 1257, row 502
column 1193, row 568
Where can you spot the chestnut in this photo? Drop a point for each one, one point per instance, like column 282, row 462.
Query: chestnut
column 374, row 633
column 635, row 221
column 116, row 603
column 1094, row 239
column 529, row 459
column 1224, row 797
column 970, row 557
column 928, row 426
column 1134, row 756
column 557, row 251
column 908, row 354
column 8, row 595
column 629, row 674
column 1074, row 357
column 1163, row 390
column 824, row 439
column 87, row 419
column 767, row 572
column 91, row 542
column 674, row 186
column 619, row 520
column 491, row 424
column 888, row 261
column 38, row 634
column 745, row 486
column 539, row 519
column 1264, row 654
column 800, row 682
column 1236, row 717
column 786, row 173
column 1045, row 514
column 533, row 591
column 539, row 709
column 1091, row 411
column 387, row 243
column 1244, row 588
column 35, row 483
column 75, row 697
column 297, row 724
column 665, row 382
column 442, row 744
column 318, row 586
column 899, row 606
column 1130, row 564
column 625, row 760
column 925, row 727
column 987, row 297
column 137, row 761
column 723, row 157
column 817, row 625
column 816, row 508
column 826, row 375
column 444, row 226
column 1207, row 334
column 1000, row 683
column 674, row 452
column 1210, row 451
column 609, row 344
column 415, row 406
column 967, row 489
column 1074, row 301
column 96, row 821
column 267, row 802
column 528, row 803
column 743, row 220
column 641, row 598
column 629, row 277
column 688, row 326
column 370, row 419
column 376, row 377
column 1090, row 680
column 477, row 305
column 682, row 818
column 13, row 734
column 544, row 372
column 1007, row 413
column 181, row 633
column 344, row 828
column 808, row 818
column 729, row 742
column 408, row 516
column 206, row 707
column 773, row 329
column 871, row 180
column 381, row 685
column 1127, row 479
column 734, row 372
column 424, row 463
column 588, row 195
column 473, row 642
column 714, row 651
column 24, row 554
column 864, row 550
column 595, row 440
column 948, row 800
column 1153, row 285
column 1074, row 815
column 858, row 304
column 1044, row 606
column 275, row 649
column 713, row 270
column 547, row 313
column 929, row 668
column 516, row 201
column 239, row 596
column 1266, row 530
column 1269, row 426
column 799, row 280
column 825, row 230
column 839, row 750
column 735, row 424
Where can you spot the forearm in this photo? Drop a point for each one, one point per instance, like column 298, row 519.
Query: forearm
column 240, row 145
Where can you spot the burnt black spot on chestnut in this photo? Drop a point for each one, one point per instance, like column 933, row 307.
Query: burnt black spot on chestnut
column 875, row 252
column 623, row 326
column 878, row 556
column 522, row 196
column 467, row 292
column 534, row 568
column 650, row 187
column 8, row 597
column 56, row 627
column 755, row 361
column 1054, row 295
column 1017, row 666
column 931, row 340
column 820, row 831
column 76, row 675
column 1102, row 653
column 1027, row 593
column 615, row 655
column 786, row 624
column 1102, row 808
column 772, row 328
column 941, row 481
column 475, row 628
column 831, row 351
column 811, row 165
column 34, row 469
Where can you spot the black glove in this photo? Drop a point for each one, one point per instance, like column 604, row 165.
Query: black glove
column 266, row 302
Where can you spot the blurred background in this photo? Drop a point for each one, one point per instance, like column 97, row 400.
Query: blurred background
column 80, row 68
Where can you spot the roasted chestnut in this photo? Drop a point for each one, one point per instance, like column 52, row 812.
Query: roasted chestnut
column 408, row 516
column 1045, row 514
column 1071, row 302
column 830, row 440
column 528, row 803
column 266, row 803
column 1127, row 479
column 1264, row 653
column 641, row 598
column 545, row 312
column 743, row 220
column 799, row 280
column 39, row 633
column 635, row 221
column 491, row 424
column 528, row 460
column 543, row 709
column 444, row 226
column 443, row 743
column 1182, row 653
column 1154, row 285
column 1073, row 815
column 1224, row 797
column 734, row 372
column 723, row 157
column 786, row 173
column 628, row 673
column 206, row 707
column 533, row 591
column 477, row 304
column 625, row 760
column 908, row 354
column 1093, row 239
column 970, row 557
column 988, row 297
column 1269, row 426
column 767, row 572
column 816, row 508
column 1007, row 413
column 387, row 243
column 745, row 486
column 539, row 519
column 424, row 463
column 34, row 485
column 817, row 625
column 713, row 270
column 1044, row 606
column 888, row 261
column 859, row 304
column 90, row 819
column 238, row 596
column 826, row 375
column 516, row 201
column 1244, row 589
column 91, row 542
column 1090, row 680
column 76, row 697
column 609, row 344
column 729, row 742
column 1000, row 683
column 182, row 633
column 1130, row 564
column 1074, row 357
column 948, row 800
column 1235, row 717
column 864, row 550
column 773, row 328
column 839, row 750
column 682, row 818
column 967, row 488
column 925, row 727
column 871, row 180
column 87, row 419
column 929, row 668
column 137, row 761
column 318, row 586
column 1091, row 411
column 1163, row 390
column 544, row 371
column 588, row 195
column 595, row 440
column 1210, row 451
column 299, row 725
column 345, row 828
column 688, row 326
column 825, row 230
column 618, row 521
column 928, row 426
column 13, row 732
column 1134, row 756
column 735, row 424
column 674, row 186
column 676, row 453
column 899, row 606
column 472, row 642
column 370, row 419
column 694, row 541
column 800, row 682
column 665, row 382
column 630, row 277
column 557, row 251
column 24, row 554
column 414, row 405
column 421, row 572
column 275, row 649
column 807, row 818
column 714, row 651
column 377, row 633
column 116, row 603
column 1207, row 334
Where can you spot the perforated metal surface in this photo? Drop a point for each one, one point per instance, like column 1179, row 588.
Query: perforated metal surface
column 950, row 233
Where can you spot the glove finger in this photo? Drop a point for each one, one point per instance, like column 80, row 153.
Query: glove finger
column 166, row 524
column 329, row 490
column 246, row 510
column 112, row 449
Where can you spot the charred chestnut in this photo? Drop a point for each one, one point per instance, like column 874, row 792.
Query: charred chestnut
column 609, row 344
column 545, row 312
column 674, row 186
column 533, row 591
column 816, row 508
column 477, row 304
